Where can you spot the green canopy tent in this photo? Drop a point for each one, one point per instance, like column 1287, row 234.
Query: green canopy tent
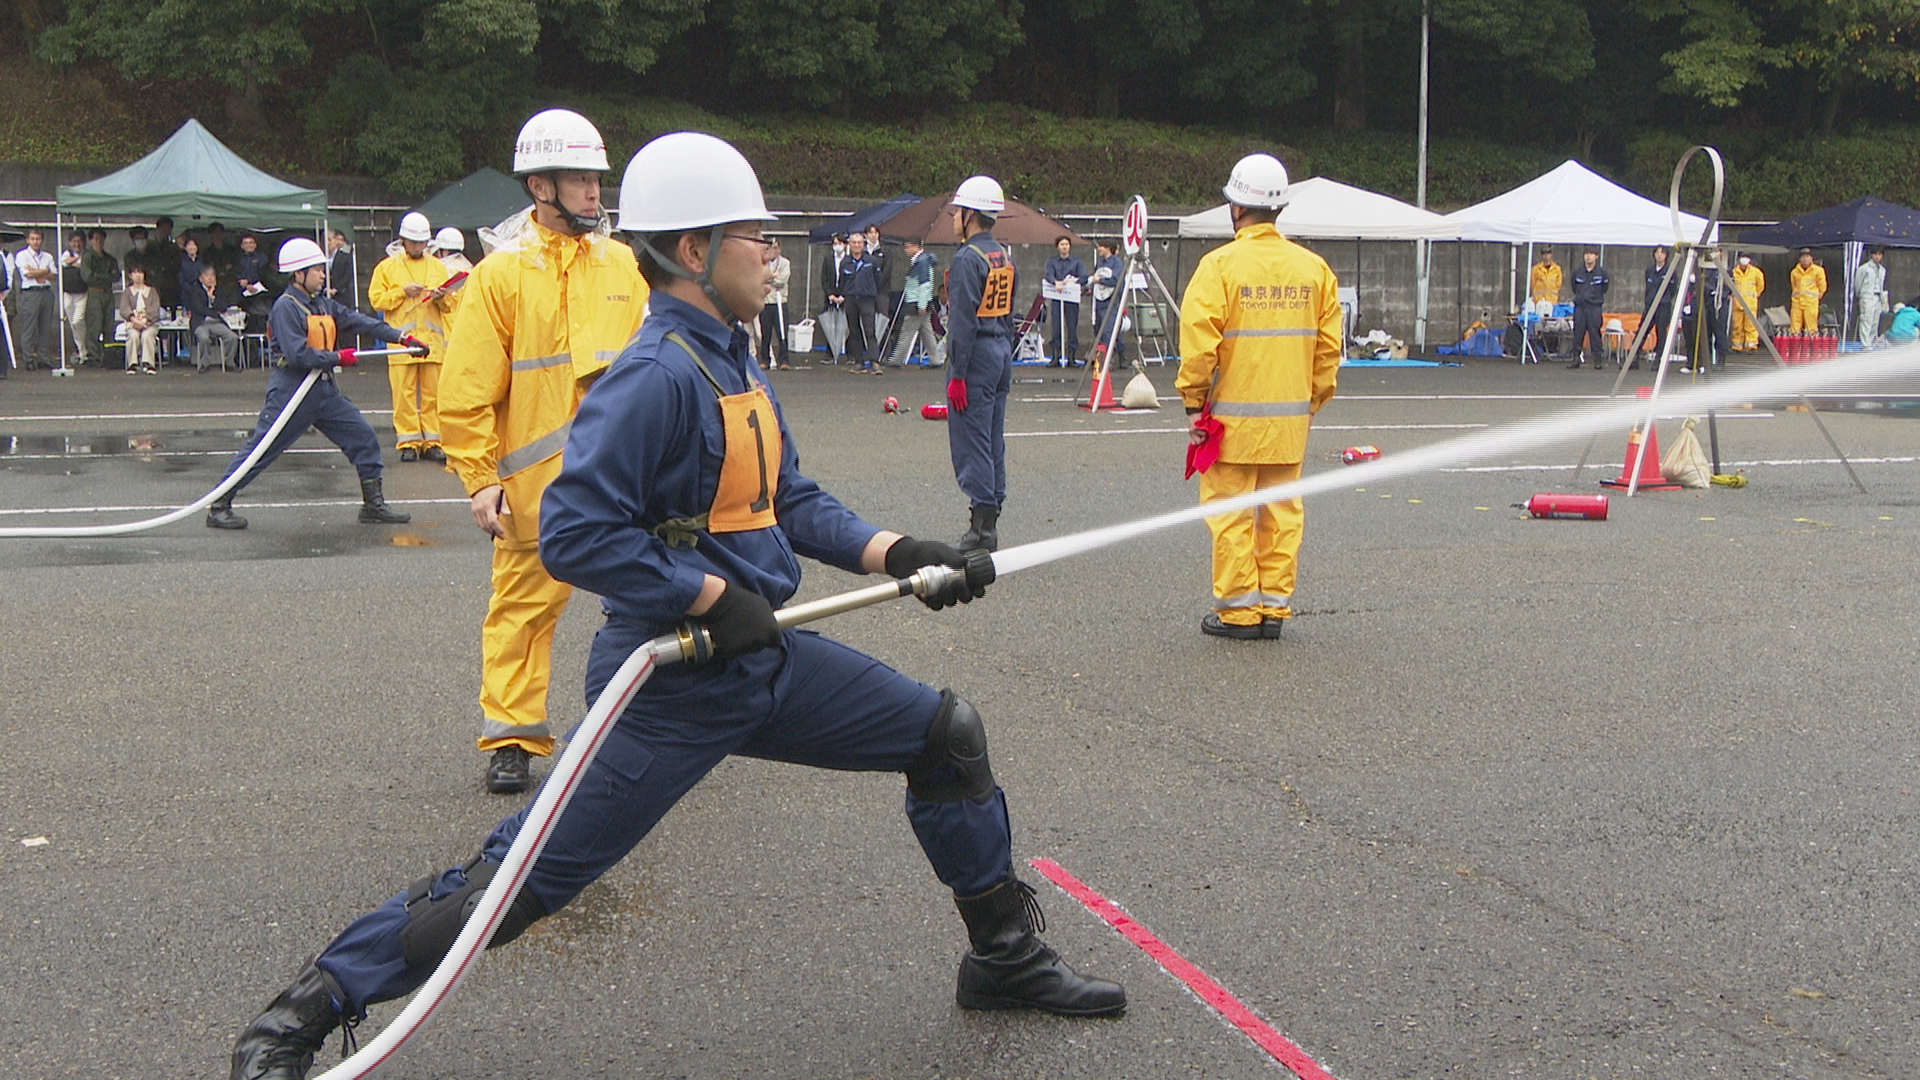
column 487, row 197
column 193, row 178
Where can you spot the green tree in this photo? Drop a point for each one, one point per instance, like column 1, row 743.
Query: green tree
column 835, row 53
column 242, row 45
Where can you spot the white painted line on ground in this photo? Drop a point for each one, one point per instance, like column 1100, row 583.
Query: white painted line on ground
column 149, row 454
column 1725, row 465
column 246, row 506
column 68, row 417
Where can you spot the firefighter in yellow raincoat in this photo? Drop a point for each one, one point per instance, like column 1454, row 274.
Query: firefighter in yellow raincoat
column 1544, row 282
column 1749, row 282
column 538, row 321
column 406, row 290
column 1807, row 284
column 1260, row 353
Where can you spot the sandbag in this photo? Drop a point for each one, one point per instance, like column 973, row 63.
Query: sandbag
column 1140, row 393
column 1685, row 463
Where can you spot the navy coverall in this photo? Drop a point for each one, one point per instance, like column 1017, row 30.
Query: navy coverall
column 324, row 407
column 646, row 448
column 980, row 354
column 1059, row 269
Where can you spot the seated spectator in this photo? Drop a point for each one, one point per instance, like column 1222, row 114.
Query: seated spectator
column 205, row 302
column 190, row 267
column 1906, row 322
column 140, row 310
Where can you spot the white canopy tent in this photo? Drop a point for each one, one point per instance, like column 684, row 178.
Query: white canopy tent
column 1323, row 209
column 1570, row 205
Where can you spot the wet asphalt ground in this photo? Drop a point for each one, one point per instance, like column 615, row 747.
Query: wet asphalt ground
column 1555, row 799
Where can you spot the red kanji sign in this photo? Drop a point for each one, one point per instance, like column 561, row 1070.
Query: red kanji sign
column 1134, row 233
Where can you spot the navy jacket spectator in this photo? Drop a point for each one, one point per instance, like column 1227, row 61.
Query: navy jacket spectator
column 202, row 308
column 1590, row 286
column 856, row 276
column 1059, row 269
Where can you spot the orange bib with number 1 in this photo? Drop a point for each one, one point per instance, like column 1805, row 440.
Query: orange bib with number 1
column 750, row 471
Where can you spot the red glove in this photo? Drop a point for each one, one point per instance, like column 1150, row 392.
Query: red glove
column 415, row 345
column 349, row 357
column 957, row 394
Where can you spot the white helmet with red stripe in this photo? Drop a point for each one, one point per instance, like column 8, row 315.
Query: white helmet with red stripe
column 300, row 253
column 558, row 139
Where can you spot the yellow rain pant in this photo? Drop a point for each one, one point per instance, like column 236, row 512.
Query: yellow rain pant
column 1254, row 551
column 416, row 403
column 516, row 644
column 1806, row 315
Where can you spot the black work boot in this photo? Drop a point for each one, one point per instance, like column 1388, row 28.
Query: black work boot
column 1010, row 968
column 221, row 516
column 373, row 506
column 281, row 1042
column 510, row 772
column 434, row 454
column 983, row 532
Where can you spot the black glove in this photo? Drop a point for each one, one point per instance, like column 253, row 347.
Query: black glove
column 740, row 621
column 907, row 555
column 415, row 345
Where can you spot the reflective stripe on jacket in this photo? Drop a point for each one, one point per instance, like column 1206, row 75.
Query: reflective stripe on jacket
column 541, row 318
column 1260, row 339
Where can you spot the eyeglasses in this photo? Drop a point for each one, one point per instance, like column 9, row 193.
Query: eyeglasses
column 767, row 246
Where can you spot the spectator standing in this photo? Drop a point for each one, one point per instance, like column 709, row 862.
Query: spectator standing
column 1749, row 282
column 1870, row 287
column 1106, row 283
column 980, row 287
column 406, row 291
column 1590, row 283
column 1807, row 283
column 140, row 310
column 6, row 308
column 1259, row 366
column 162, row 259
column 1065, row 268
column 219, row 253
column 101, row 272
column 342, row 285
column 206, row 302
column 303, row 336
column 857, row 284
column 250, row 277
column 916, row 308
column 1659, row 314
column 1707, row 341
column 189, row 271
column 883, row 305
column 35, row 270
column 73, row 295
column 833, row 321
column 1544, row 282
column 773, row 316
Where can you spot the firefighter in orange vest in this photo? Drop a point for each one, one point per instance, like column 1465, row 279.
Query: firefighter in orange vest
column 1260, row 351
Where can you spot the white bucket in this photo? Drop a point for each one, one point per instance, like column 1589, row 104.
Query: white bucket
column 800, row 336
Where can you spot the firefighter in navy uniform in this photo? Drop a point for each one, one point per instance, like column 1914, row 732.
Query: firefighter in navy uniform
column 681, row 497
column 303, row 330
column 980, row 288
column 1590, row 283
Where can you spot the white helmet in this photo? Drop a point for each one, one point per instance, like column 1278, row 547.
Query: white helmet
column 450, row 239
column 689, row 180
column 982, row 193
column 1258, row 182
column 300, row 253
column 559, row 139
column 414, row 226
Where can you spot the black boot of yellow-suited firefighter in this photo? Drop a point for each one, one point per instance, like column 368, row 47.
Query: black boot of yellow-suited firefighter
column 373, row 506
column 983, row 531
column 1011, row 968
column 281, row 1042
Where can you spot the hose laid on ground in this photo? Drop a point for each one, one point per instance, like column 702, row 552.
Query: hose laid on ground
column 74, row 532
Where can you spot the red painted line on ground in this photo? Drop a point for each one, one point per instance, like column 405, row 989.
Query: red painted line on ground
column 1218, row 997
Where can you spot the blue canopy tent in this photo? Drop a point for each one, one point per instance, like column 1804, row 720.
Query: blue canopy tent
column 1852, row 227
column 857, row 221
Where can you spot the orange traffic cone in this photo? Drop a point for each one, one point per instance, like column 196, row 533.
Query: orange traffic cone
column 1651, row 478
column 1102, row 395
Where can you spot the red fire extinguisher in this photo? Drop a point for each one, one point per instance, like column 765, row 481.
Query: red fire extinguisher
column 1590, row 507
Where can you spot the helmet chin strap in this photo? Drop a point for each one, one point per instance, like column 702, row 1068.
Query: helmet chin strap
column 704, row 279
column 576, row 224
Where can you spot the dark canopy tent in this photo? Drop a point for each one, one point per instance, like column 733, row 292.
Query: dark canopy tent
column 1851, row 226
column 860, row 219
column 487, row 197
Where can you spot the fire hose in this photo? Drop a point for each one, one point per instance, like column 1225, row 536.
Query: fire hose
column 689, row 643
column 233, row 477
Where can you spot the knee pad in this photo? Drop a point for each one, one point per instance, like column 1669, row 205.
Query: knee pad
column 434, row 925
column 954, row 765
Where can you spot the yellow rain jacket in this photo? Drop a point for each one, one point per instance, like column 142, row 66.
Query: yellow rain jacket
column 1750, row 283
column 540, row 319
column 1809, row 283
column 425, row 319
column 1260, row 339
column 1545, row 283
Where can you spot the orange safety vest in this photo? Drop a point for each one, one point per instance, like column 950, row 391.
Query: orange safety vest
column 749, row 466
